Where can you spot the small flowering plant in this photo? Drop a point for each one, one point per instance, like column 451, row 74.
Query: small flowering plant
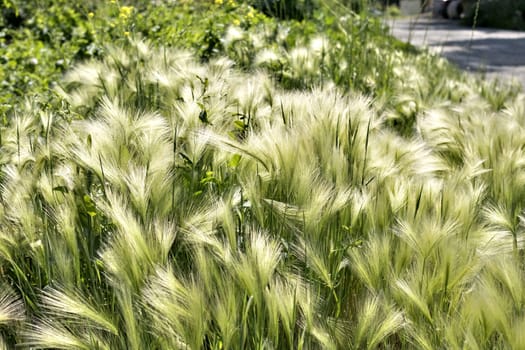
column 125, row 12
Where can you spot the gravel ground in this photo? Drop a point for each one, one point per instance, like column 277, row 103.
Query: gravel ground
column 497, row 53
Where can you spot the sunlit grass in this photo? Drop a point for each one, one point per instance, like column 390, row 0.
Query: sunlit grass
column 176, row 204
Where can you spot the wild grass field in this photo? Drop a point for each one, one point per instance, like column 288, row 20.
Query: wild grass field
column 202, row 175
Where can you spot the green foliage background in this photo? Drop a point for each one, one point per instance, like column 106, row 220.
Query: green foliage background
column 508, row 14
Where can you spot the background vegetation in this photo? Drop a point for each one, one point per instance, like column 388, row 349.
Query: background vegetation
column 216, row 175
column 508, row 14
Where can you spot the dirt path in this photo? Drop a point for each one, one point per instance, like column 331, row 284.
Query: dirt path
column 497, row 53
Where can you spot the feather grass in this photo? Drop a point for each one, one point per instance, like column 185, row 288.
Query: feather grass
column 197, row 206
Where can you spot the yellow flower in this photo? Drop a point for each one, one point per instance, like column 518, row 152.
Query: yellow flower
column 218, row 2
column 231, row 2
column 112, row 1
column 125, row 12
column 236, row 22
column 91, row 15
column 250, row 14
